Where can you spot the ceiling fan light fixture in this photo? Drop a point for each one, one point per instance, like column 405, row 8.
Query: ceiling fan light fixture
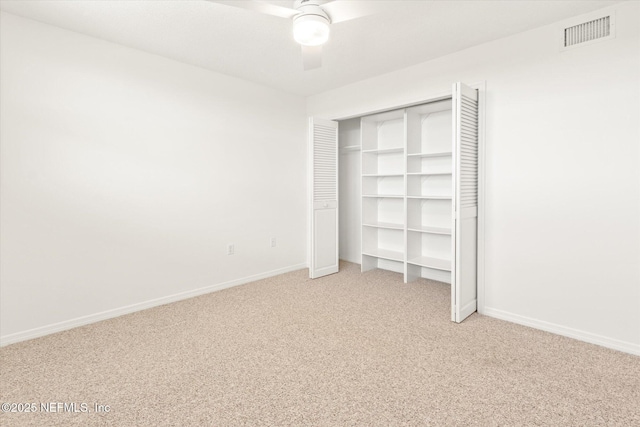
column 311, row 30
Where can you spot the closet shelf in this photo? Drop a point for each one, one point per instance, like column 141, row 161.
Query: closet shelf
column 431, row 230
column 388, row 196
column 384, row 253
column 389, row 225
column 428, row 173
column 385, row 150
column 429, row 262
column 441, row 154
column 382, row 175
column 350, row 148
column 430, row 197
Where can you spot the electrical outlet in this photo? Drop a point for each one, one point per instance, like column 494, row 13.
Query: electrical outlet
column 273, row 242
column 231, row 249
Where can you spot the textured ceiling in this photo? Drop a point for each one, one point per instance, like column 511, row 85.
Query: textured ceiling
column 261, row 49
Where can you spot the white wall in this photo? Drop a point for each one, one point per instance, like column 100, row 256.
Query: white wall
column 125, row 175
column 562, row 173
column 349, row 184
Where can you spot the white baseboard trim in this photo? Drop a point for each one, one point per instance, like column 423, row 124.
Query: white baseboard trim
column 603, row 341
column 108, row 314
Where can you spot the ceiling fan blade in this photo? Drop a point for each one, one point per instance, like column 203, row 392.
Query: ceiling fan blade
column 340, row 11
column 260, row 7
column 311, row 57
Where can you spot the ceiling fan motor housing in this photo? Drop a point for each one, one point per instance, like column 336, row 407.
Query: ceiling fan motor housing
column 311, row 25
column 310, row 7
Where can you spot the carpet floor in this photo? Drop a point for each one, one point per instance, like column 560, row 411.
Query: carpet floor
column 348, row 349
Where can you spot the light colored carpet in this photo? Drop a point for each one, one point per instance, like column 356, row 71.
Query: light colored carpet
column 349, row 349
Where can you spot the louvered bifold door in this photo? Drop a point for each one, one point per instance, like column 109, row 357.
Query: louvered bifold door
column 323, row 257
column 465, row 204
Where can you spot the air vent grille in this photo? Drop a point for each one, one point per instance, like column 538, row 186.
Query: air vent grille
column 588, row 31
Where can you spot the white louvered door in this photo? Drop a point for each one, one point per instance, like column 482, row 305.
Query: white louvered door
column 323, row 138
column 465, row 203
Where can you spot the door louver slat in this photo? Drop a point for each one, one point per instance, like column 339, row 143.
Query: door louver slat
column 468, row 152
column 324, row 164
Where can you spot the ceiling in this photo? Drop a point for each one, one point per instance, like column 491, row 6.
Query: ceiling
column 260, row 48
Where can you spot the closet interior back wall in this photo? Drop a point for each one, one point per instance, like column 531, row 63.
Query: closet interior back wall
column 349, row 183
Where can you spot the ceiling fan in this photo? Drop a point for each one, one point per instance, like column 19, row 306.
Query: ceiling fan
column 311, row 21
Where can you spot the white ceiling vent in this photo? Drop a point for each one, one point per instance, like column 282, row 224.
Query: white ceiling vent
column 588, row 31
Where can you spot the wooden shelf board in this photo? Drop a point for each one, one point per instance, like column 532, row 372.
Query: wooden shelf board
column 382, row 175
column 429, row 262
column 389, row 225
column 385, row 150
column 432, row 230
column 442, row 154
column 428, row 173
column 380, row 196
column 350, row 148
column 430, row 197
column 385, row 253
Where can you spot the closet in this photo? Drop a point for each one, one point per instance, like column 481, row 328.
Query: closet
column 418, row 193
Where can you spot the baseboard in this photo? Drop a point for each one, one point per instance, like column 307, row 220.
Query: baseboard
column 603, row 341
column 104, row 315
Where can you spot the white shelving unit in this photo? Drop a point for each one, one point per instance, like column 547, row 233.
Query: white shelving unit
column 411, row 182
column 383, row 191
column 429, row 191
column 407, row 191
